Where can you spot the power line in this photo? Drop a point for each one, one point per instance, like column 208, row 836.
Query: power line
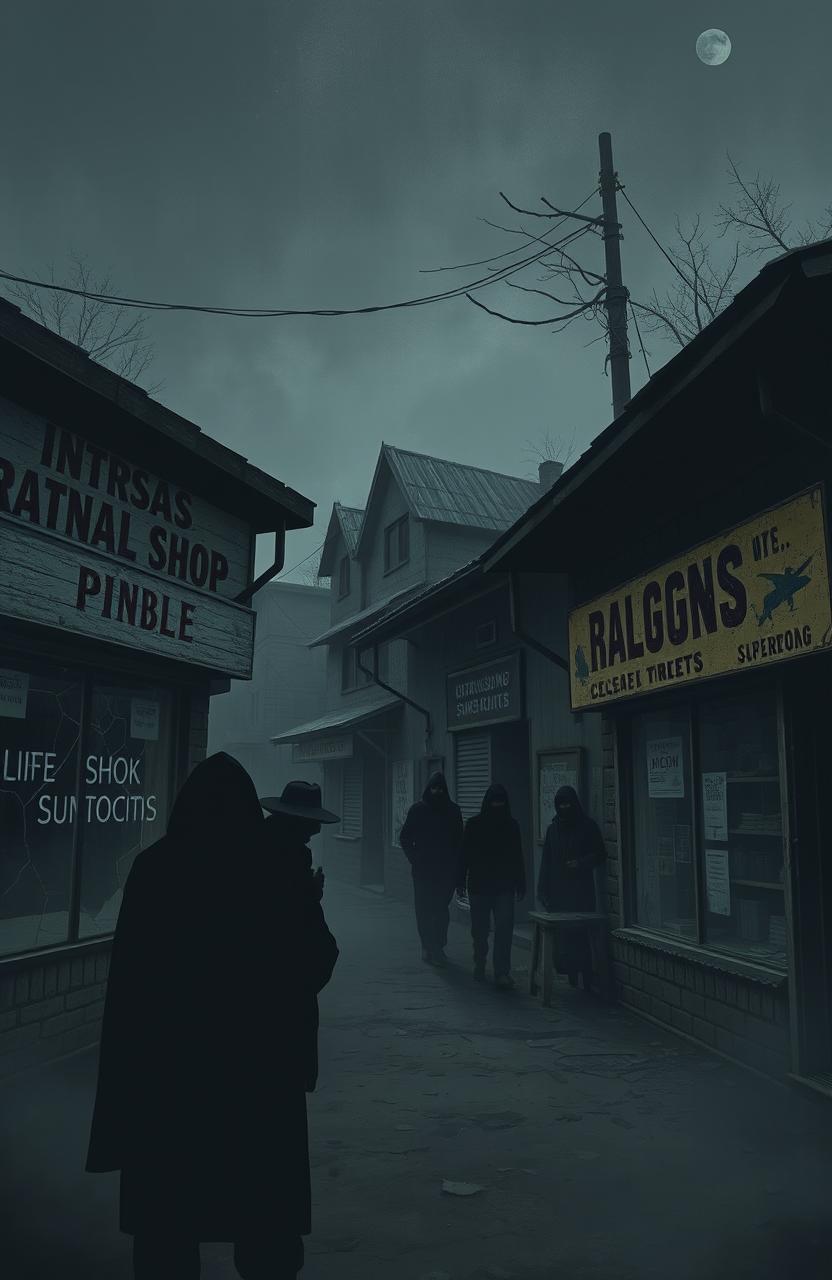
column 299, row 563
column 689, row 284
column 147, row 305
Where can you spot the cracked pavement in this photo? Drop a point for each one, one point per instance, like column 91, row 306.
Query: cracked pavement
column 598, row 1146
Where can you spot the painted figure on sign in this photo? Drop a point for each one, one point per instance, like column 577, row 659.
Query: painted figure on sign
column 786, row 585
column 208, row 1046
column 432, row 841
column 573, row 848
column 493, row 869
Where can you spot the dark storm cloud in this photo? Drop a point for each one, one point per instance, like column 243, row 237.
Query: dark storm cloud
column 321, row 153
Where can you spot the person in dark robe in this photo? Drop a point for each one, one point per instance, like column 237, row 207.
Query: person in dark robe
column 431, row 838
column 208, row 1041
column 573, row 848
column 493, row 870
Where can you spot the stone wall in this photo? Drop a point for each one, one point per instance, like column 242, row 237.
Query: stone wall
column 51, row 1009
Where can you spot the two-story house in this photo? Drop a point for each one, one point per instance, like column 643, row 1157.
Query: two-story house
column 424, row 518
column 288, row 684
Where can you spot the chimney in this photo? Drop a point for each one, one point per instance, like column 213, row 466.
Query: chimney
column 548, row 472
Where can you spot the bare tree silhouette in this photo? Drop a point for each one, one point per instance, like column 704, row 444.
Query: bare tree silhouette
column 114, row 336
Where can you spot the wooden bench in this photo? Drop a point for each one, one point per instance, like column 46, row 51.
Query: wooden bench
column 546, row 925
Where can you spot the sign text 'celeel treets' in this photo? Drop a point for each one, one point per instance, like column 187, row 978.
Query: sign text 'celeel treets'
column 758, row 594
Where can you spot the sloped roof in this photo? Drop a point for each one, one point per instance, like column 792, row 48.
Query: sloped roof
column 409, row 613
column 455, row 493
column 352, row 623
column 345, row 521
column 346, row 717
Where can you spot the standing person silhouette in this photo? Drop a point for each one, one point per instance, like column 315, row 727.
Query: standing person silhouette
column 573, row 848
column 432, row 841
column 206, row 1048
column 494, row 871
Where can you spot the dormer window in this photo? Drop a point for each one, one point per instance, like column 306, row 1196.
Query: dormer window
column 396, row 544
column 344, row 577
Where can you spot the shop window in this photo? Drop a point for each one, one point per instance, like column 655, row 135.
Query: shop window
column 665, row 891
column 485, row 635
column 127, row 777
column 344, row 577
column 742, row 828
column 59, row 811
column 720, row 828
column 40, row 721
column 396, row 544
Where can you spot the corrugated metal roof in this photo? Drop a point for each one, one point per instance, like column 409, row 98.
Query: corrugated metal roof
column 453, row 493
column 393, row 619
column 350, row 519
column 354, row 620
column 343, row 718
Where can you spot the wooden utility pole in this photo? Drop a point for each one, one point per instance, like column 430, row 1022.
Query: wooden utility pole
column 616, row 295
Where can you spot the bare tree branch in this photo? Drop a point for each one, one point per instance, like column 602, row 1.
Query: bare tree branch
column 114, row 336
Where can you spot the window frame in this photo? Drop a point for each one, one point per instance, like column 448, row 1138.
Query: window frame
column 90, row 674
column 401, row 529
column 491, row 625
column 693, row 704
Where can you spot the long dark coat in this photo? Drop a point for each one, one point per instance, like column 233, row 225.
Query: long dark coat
column 562, row 888
column 209, row 1037
column 431, row 836
column 492, row 850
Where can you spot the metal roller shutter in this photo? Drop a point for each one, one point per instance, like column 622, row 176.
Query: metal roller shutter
column 473, row 771
column 351, row 798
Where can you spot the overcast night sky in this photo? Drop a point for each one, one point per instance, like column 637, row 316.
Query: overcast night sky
column 320, row 153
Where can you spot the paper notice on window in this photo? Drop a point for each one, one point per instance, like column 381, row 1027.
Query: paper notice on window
column 718, row 882
column 682, row 842
column 144, row 719
column 14, row 693
column 715, row 806
column 665, row 769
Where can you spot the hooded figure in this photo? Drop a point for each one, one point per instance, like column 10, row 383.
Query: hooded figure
column 573, row 848
column 431, row 838
column 206, row 1047
column 493, row 866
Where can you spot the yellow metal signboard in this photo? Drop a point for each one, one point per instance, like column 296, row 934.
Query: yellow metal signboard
column 756, row 595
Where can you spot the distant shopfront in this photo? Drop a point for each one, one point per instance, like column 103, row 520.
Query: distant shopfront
column 120, row 570
column 700, row 631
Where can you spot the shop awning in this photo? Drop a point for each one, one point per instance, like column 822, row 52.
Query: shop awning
column 428, row 604
column 356, row 621
column 337, row 721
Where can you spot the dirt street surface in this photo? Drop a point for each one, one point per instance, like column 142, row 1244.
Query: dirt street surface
column 578, row 1141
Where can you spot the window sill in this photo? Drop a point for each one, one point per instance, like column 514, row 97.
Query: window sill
column 55, row 955
column 701, row 955
column 347, row 839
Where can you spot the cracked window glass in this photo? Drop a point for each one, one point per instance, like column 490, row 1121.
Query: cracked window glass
column 40, row 718
column 127, row 794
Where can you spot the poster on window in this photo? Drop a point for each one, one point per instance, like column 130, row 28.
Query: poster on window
column 144, row 719
column 718, row 882
column 552, row 775
column 715, row 806
column 14, row 693
column 665, row 769
column 402, row 795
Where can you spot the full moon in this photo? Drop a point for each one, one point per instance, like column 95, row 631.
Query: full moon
column 713, row 47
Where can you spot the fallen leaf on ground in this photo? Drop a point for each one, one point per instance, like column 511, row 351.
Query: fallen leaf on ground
column 461, row 1188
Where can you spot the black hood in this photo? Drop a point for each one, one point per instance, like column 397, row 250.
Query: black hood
column 570, row 794
column 435, row 778
column 216, row 805
column 495, row 792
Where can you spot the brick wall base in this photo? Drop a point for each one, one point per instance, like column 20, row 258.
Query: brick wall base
column 747, row 1020
column 50, row 1009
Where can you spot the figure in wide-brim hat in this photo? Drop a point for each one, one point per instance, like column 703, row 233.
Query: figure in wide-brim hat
column 300, row 800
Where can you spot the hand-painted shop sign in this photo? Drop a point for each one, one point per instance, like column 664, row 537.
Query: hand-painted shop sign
column 756, row 595
column 485, row 694
column 117, row 553
column 318, row 750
